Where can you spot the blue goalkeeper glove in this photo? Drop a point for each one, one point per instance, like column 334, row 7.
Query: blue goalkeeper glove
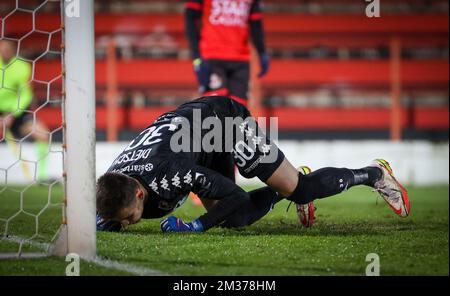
column 173, row 224
column 201, row 68
column 264, row 62
column 107, row 225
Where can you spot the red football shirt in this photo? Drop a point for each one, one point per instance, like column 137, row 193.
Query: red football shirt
column 224, row 28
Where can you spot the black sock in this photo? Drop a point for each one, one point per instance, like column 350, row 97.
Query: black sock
column 367, row 176
column 331, row 181
column 321, row 183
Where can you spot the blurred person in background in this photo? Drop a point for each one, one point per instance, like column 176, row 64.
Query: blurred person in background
column 218, row 33
column 15, row 98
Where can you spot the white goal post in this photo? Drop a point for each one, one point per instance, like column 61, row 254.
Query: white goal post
column 79, row 68
column 61, row 80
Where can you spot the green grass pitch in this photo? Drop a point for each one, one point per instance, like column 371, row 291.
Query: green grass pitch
column 347, row 228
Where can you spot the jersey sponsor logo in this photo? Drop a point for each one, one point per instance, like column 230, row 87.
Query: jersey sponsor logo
column 164, row 183
column 231, row 13
column 249, row 132
column 243, row 126
column 177, row 119
column 154, row 186
column 253, row 165
column 135, row 168
column 256, row 140
column 201, row 179
column 164, row 117
column 133, row 156
column 187, row 179
column 176, row 181
column 265, row 148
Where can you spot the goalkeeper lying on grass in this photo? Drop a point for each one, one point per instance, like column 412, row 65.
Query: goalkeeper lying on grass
column 152, row 177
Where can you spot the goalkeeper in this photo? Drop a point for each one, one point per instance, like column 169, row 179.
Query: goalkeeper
column 15, row 98
column 153, row 176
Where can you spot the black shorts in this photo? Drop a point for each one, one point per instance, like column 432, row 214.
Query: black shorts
column 233, row 76
column 247, row 146
column 18, row 122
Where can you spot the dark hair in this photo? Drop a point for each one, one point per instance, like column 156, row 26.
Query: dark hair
column 114, row 192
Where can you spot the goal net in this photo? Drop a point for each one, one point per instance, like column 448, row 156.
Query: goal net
column 47, row 118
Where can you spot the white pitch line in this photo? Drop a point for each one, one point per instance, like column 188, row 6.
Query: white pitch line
column 22, row 240
column 25, row 255
column 137, row 270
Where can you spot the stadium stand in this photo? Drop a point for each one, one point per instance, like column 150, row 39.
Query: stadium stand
column 330, row 69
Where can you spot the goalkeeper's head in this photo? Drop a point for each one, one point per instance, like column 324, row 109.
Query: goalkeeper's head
column 120, row 198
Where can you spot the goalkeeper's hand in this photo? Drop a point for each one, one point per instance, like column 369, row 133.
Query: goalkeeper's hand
column 174, row 224
column 107, row 225
column 201, row 69
column 264, row 62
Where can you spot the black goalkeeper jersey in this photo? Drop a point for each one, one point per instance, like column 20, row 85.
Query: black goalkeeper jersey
column 169, row 176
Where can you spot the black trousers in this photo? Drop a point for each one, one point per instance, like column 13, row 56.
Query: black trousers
column 233, row 76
